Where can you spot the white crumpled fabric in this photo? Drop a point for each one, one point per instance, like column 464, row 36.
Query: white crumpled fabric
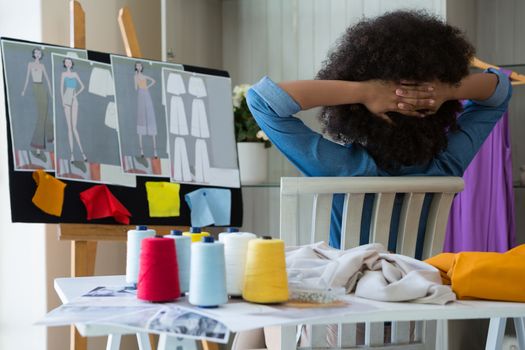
column 368, row 270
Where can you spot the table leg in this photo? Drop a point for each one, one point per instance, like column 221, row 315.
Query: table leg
column 496, row 333
column 167, row 342
column 519, row 324
column 113, row 342
column 143, row 341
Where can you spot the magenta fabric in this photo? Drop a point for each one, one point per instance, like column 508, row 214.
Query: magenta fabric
column 482, row 216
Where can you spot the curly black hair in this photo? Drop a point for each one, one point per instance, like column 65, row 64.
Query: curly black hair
column 408, row 45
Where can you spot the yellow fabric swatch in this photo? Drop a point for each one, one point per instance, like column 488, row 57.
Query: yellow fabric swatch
column 484, row 275
column 49, row 194
column 163, row 199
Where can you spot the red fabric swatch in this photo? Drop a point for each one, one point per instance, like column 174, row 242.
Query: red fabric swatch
column 101, row 203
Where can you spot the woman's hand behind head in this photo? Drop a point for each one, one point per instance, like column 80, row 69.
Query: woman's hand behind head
column 410, row 99
column 425, row 98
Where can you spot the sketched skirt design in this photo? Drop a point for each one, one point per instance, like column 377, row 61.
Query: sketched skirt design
column 146, row 123
column 44, row 123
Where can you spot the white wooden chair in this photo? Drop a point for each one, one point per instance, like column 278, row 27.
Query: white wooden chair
column 293, row 191
column 427, row 335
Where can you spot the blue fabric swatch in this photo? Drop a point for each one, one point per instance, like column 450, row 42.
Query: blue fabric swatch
column 209, row 206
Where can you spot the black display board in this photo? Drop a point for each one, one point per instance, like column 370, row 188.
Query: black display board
column 22, row 186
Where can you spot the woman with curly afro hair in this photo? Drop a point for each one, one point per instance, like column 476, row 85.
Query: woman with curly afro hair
column 390, row 96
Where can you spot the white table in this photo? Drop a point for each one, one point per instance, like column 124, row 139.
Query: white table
column 71, row 288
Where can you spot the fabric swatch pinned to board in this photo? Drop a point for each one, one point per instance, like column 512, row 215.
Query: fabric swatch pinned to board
column 49, row 194
column 163, row 199
column 101, row 203
column 209, row 206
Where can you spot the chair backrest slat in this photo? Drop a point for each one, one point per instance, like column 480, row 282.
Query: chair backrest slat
column 409, row 223
column 351, row 224
column 381, row 217
column 289, row 227
column 437, row 224
column 322, row 209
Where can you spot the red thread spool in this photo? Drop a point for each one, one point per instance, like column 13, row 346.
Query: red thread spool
column 158, row 272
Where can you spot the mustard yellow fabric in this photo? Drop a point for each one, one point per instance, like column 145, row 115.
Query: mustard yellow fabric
column 49, row 194
column 163, row 199
column 484, row 275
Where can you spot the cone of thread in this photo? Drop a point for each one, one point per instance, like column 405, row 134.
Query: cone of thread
column 133, row 247
column 183, row 251
column 265, row 279
column 158, row 272
column 208, row 274
column 196, row 234
column 235, row 247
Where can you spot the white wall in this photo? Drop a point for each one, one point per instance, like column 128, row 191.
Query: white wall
column 22, row 246
column 194, row 31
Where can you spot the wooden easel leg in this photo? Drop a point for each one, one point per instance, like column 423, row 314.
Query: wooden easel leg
column 91, row 257
column 153, row 340
column 77, row 342
column 83, row 254
column 208, row 345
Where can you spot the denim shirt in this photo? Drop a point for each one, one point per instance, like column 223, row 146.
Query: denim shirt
column 314, row 155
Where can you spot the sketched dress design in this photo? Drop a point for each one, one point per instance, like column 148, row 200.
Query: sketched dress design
column 146, row 121
column 43, row 131
column 68, row 88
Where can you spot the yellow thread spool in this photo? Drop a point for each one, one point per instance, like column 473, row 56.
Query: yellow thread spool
column 265, row 279
column 195, row 234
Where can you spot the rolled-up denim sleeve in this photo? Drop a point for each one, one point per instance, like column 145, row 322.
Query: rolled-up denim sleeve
column 277, row 99
column 475, row 124
column 501, row 92
column 309, row 151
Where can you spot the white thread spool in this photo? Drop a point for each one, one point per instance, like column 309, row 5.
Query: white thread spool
column 235, row 247
column 135, row 238
column 229, row 230
column 183, row 248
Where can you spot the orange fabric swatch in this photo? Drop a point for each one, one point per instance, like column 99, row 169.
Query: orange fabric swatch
column 49, row 194
column 484, row 275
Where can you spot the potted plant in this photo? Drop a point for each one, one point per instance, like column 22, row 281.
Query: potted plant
column 252, row 142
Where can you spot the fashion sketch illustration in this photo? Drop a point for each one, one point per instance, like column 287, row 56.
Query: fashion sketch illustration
column 43, row 130
column 70, row 87
column 146, row 122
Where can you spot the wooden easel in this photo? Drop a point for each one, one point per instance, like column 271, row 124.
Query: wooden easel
column 84, row 237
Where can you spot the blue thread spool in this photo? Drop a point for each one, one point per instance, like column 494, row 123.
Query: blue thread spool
column 208, row 274
column 183, row 248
